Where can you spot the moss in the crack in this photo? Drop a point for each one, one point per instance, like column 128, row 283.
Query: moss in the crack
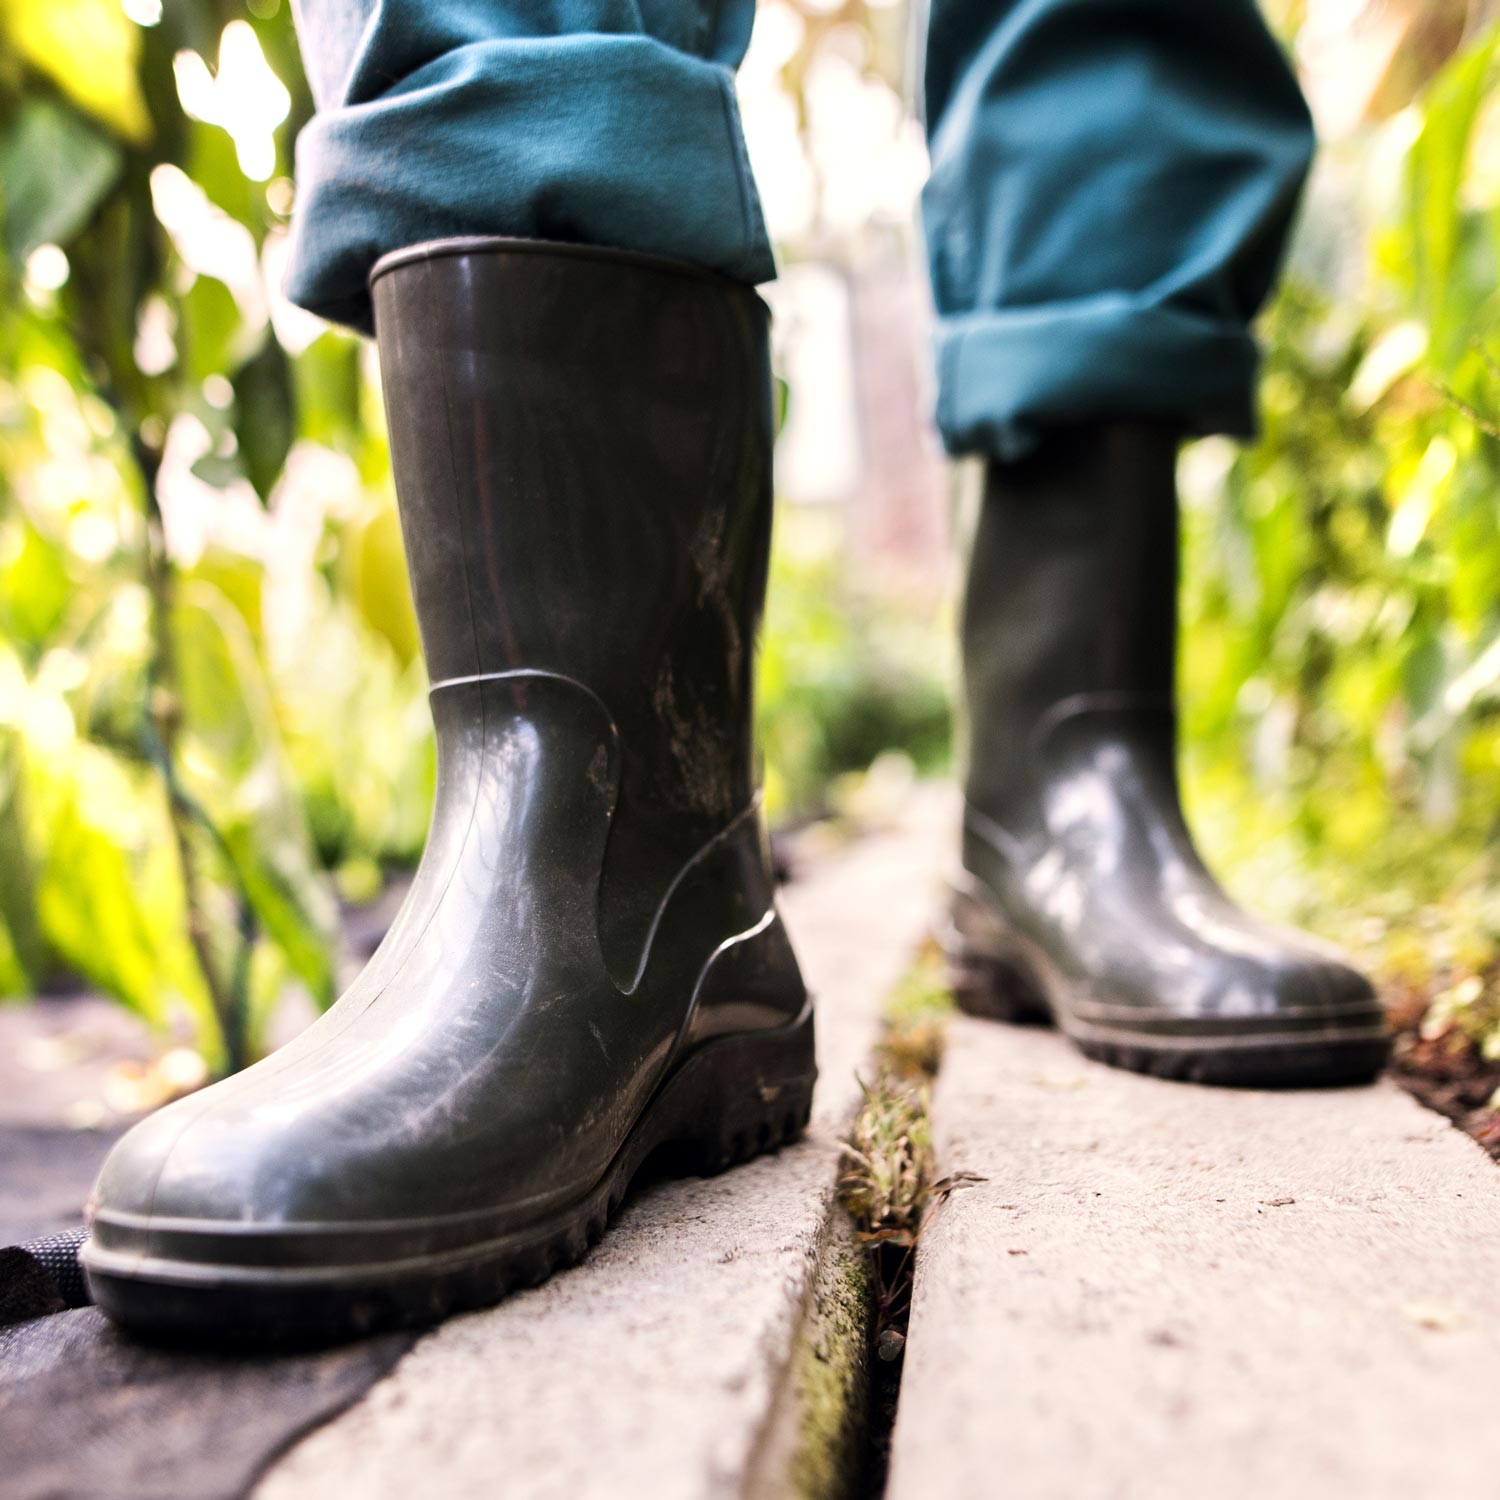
column 832, row 1379
column 915, row 1020
column 890, row 1189
column 831, row 1440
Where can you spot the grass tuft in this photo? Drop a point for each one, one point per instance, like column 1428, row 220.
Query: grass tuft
column 889, row 1185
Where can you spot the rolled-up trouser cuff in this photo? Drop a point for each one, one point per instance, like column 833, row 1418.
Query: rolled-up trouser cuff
column 549, row 138
column 1005, row 377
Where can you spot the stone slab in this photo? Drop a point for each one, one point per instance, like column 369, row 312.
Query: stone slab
column 1165, row 1291
column 653, row 1368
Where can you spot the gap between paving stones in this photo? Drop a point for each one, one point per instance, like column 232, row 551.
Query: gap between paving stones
column 829, row 1434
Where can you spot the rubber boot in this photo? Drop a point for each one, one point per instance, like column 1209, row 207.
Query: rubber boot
column 590, row 968
column 1082, row 899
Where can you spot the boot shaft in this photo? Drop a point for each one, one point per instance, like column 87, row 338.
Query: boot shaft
column 582, row 450
column 1071, row 599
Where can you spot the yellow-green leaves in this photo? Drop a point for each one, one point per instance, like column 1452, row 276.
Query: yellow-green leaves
column 232, row 766
column 89, row 49
column 374, row 566
column 91, row 879
column 1437, row 216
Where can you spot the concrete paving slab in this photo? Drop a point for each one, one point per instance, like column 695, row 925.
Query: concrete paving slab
column 655, row 1367
column 1164, row 1291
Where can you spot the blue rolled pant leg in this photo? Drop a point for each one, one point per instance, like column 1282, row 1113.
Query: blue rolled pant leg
column 1112, row 183
column 608, row 122
column 1112, row 186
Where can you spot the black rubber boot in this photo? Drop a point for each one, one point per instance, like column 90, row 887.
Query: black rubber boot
column 590, row 967
column 1083, row 900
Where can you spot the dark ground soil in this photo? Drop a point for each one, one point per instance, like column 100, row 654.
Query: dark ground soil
column 1447, row 1072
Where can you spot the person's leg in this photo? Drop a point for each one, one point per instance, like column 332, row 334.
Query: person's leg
column 589, row 965
column 602, row 122
column 1112, row 185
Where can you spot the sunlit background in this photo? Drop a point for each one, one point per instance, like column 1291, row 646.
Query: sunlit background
column 213, row 731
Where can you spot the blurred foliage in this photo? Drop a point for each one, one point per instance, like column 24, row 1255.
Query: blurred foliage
column 212, row 708
column 208, row 693
column 844, row 675
column 1341, row 673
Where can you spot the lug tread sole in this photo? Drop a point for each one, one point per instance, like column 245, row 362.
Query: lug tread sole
column 994, row 989
column 245, row 1308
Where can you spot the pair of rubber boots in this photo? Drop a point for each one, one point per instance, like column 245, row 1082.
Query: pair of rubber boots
column 590, row 969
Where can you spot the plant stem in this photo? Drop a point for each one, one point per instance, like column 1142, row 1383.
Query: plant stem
column 164, row 713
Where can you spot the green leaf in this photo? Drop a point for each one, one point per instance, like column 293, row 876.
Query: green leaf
column 22, row 956
column 34, row 586
column 1435, row 172
column 291, row 900
column 211, row 327
column 265, row 421
column 116, row 265
column 375, row 577
column 217, row 469
column 56, row 169
column 327, row 387
column 89, row 49
column 212, row 164
column 1423, row 675
column 233, row 767
column 109, row 894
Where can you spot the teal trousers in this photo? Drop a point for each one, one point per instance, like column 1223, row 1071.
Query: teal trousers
column 1112, row 180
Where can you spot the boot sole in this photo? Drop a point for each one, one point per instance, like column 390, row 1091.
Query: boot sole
column 1011, row 988
column 734, row 1099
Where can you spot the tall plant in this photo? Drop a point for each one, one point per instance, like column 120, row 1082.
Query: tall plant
column 155, row 837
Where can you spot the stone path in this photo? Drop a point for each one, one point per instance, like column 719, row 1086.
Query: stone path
column 1159, row 1293
column 658, row 1367
column 1170, row 1292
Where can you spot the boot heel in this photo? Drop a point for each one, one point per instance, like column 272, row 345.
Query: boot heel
column 987, row 972
column 736, row 1098
column 996, row 990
